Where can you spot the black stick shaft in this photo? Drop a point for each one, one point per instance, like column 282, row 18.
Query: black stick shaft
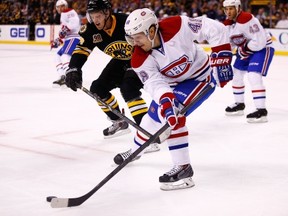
column 70, row 202
column 116, row 112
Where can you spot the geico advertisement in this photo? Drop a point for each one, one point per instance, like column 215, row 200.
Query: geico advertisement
column 21, row 32
column 47, row 32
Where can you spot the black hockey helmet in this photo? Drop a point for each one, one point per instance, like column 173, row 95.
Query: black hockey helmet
column 97, row 5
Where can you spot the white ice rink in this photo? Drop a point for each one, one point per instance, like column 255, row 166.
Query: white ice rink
column 51, row 144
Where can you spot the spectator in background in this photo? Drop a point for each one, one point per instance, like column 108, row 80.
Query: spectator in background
column 195, row 10
column 212, row 11
column 283, row 22
column 261, row 16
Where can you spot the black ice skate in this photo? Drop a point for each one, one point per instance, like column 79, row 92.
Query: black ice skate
column 179, row 177
column 119, row 158
column 258, row 116
column 236, row 109
column 118, row 128
column 60, row 82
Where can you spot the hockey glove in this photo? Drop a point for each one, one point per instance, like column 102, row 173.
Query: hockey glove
column 221, row 58
column 169, row 110
column 73, row 78
column 56, row 43
column 63, row 32
column 244, row 52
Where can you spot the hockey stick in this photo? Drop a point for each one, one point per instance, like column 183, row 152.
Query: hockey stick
column 71, row 202
column 52, row 29
column 116, row 112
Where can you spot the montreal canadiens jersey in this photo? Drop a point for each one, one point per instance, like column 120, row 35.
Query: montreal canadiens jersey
column 178, row 58
column 248, row 28
column 70, row 19
column 112, row 42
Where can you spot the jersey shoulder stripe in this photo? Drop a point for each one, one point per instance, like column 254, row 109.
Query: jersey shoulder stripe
column 169, row 27
column 244, row 17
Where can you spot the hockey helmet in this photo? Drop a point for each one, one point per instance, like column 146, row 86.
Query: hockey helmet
column 235, row 3
column 97, row 5
column 61, row 2
column 140, row 20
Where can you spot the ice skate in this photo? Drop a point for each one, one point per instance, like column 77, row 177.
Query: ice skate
column 259, row 116
column 119, row 158
column 179, row 177
column 118, row 128
column 153, row 147
column 60, row 83
column 236, row 109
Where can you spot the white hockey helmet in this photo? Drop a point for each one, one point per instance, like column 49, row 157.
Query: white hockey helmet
column 235, row 3
column 61, row 2
column 140, row 20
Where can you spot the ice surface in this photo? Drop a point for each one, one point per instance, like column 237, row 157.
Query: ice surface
column 51, row 144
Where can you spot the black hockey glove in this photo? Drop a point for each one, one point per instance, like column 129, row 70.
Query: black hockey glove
column 73, row 78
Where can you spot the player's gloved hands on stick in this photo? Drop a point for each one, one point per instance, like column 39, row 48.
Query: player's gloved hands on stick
column 244, row 52
column 73, row 78
column 169, row 110
column 56, row 43
column 63, row 32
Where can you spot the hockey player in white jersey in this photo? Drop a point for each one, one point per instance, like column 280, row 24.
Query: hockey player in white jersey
column 174, row 70
column 68, row 34
column 254, row 55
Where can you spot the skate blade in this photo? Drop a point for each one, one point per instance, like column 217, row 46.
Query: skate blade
column 63, row 86
column 262, row 119
column 57, row 86
column 152, row 148
column 238, row 113
column 181, row 184
column 119, row 133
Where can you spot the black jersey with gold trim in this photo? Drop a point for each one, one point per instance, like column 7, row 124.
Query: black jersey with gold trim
column 112, row 42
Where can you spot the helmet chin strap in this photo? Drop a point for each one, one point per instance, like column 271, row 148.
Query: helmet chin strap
column 105, row 22
column 152, row 40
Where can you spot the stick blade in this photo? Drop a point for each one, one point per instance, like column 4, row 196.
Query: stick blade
column 59, row 202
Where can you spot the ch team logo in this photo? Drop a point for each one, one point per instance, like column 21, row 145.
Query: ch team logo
column 238, row 40
column 177, row 68
column 119, row 50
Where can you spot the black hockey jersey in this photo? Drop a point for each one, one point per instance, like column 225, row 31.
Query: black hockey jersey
column 112, row 42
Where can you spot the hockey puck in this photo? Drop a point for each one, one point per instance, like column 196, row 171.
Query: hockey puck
column 49, row 198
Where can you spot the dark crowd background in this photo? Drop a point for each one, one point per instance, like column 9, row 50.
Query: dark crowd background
column 34, row 12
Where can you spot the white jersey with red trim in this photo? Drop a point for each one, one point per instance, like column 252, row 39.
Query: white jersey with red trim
column 178, row 58
column 247, row 28
column 70, row 19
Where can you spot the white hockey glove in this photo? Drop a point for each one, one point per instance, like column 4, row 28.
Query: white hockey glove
column 63, row 32
column 244, row 52
column 169, row 110
column 56, row 43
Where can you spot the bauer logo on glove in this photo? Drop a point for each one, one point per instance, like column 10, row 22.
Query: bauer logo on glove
column 220, row 59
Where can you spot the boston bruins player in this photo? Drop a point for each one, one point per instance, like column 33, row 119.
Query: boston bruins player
column 105, row 30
